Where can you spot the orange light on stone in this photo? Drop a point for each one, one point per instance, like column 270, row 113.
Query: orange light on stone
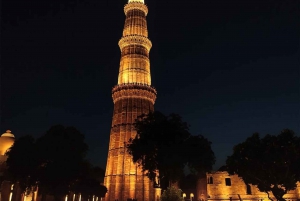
column 10, row 196
column 132, row 96
column 192, row 196
column 140, row 1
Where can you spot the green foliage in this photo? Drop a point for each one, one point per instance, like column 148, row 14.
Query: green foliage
column 164, row 143
column 271, row 163
column 172, row 194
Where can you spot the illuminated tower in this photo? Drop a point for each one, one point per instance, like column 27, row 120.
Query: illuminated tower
column 132, row 96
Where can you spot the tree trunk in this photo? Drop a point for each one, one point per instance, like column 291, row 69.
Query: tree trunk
column 44, row 197
column 57, row 198
column 174, row 184
column 32, row 194
column 279, row 198
column 278, row 193
column 269, row 196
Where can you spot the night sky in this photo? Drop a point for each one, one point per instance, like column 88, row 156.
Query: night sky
column 228, row 67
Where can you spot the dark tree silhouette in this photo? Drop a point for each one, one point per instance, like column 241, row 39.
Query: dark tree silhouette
column 98, row 173
column 271, row 162
column 22, row 163
column 164, row 143
column 56, row 163
column 61, row 155
column 188, row 182
column 90, row 184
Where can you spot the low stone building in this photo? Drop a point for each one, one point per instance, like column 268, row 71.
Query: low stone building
column 222, row 186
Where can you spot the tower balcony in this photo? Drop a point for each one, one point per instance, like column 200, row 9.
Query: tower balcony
column 135, row 40
column 136, row 5
column 134, row 90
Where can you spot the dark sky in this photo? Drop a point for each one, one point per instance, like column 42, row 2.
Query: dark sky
column 228, row 67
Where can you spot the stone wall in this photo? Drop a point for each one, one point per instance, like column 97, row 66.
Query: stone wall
column 222, row 186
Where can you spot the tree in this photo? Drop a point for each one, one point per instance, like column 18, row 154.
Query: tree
column 189, row 181
column 271, row 162
column 172, row 194
column 98, row 173
column 22, row 163
column 163, row 147
column 56, row 162
column 90, row 184
column 61, row 158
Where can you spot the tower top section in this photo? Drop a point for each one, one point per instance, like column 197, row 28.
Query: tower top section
column 135, row 46
column 139, row 1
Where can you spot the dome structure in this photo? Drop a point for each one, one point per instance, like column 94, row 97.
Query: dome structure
column 139, row 1
column 7, row 139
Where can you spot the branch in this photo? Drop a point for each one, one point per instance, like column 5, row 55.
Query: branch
column 287, row 172
column 269, row 196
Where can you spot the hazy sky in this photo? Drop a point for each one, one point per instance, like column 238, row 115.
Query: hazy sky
column 228, row 67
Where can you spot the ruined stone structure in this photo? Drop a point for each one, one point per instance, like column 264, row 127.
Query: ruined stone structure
column 132, row 96
column 222, row 186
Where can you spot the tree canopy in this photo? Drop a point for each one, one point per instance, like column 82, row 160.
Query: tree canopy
column 22, row 162
column 56, row 162
column 164, row 146
column 61, row 155
column 90, row 184
column 271, row 162
column 172, row 194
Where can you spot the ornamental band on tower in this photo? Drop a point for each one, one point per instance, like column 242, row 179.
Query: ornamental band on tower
column 132, row 96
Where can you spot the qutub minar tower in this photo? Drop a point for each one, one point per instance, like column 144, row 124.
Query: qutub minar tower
column 132, row 96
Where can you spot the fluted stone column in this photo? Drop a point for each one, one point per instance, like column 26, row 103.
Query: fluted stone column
column 132, row 96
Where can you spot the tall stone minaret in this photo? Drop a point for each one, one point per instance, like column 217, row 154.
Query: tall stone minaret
column 132, row 96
